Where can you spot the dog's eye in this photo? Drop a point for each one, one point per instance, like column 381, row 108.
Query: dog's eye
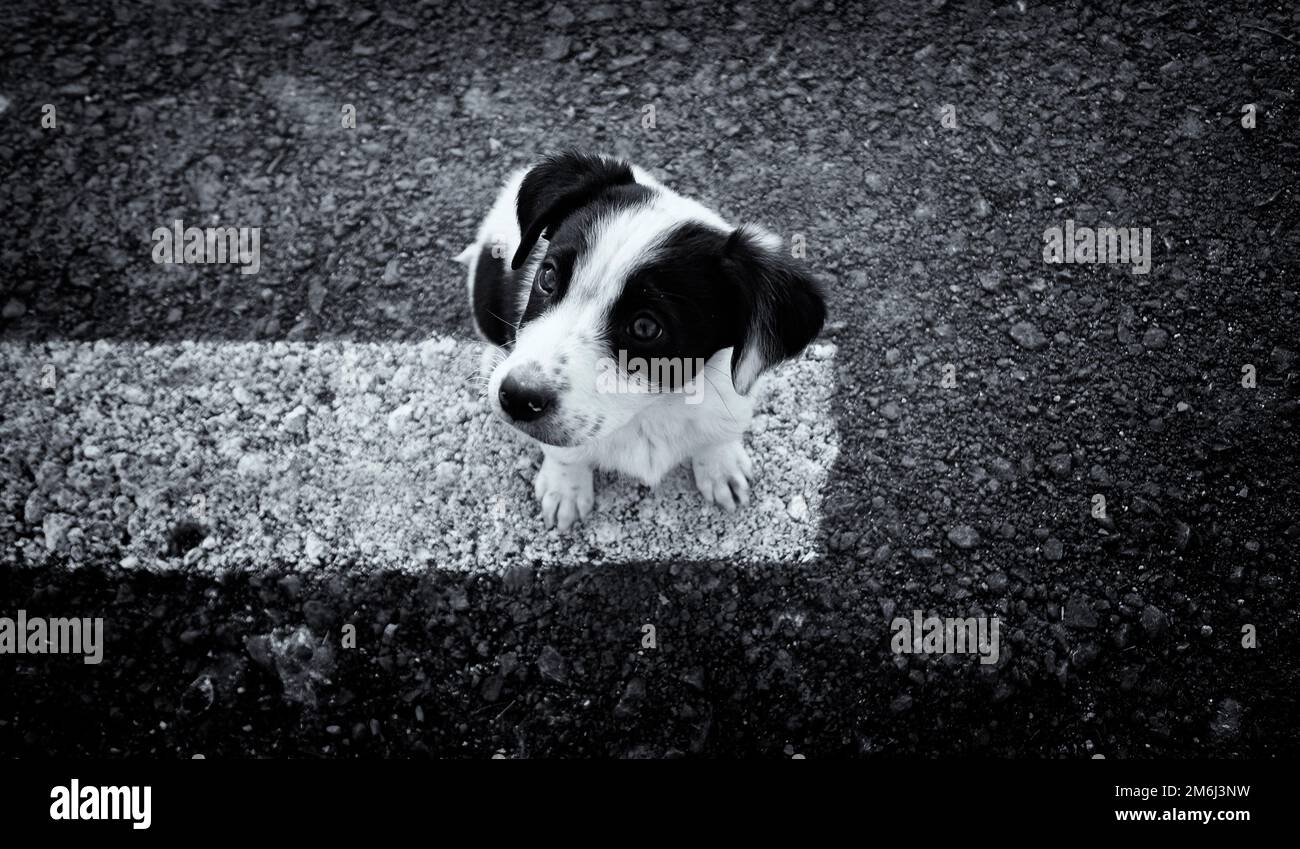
column 546, row 279
column 644, row 329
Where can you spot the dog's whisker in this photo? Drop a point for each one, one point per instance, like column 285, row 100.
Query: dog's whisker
column 720, row 398
column 512, row 324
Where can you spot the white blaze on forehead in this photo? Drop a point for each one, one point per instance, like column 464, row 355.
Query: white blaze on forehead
column 626, row 238
column 365, row 456
column 619, row 242
column 573, row 328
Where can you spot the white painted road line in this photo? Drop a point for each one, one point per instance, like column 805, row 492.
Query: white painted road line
column 372, row 456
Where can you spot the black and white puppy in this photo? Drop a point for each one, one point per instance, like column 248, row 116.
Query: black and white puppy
column 631, row 325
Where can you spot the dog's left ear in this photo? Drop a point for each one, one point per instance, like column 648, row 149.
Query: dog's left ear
column 784, row 307
column 556, row 187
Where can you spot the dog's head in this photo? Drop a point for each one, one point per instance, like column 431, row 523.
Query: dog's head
column 633, row 291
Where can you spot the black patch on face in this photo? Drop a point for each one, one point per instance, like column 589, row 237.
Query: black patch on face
column 709, row 290
column 690, row 293
column 559, row 186
column 494, row 304
column 571, row 239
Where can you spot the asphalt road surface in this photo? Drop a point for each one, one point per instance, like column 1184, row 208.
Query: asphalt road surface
column 237, row 470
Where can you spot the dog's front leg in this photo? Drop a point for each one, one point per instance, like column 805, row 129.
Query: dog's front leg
column 722, row 474
column 564, row 489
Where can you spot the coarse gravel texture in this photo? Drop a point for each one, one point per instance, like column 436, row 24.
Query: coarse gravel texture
column 351, row 455
column 1172, row 396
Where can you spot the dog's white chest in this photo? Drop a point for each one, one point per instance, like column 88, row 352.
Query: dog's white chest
column 655, row 443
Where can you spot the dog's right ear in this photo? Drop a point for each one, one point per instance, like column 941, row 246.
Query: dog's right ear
column 553, row 189
column 782, row 303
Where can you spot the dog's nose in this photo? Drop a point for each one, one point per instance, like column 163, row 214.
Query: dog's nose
column 524, row 403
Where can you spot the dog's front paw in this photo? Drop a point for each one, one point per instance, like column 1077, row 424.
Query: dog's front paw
column 722, row 474
column 565, row 491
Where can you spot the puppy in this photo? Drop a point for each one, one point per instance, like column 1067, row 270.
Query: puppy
column 631, row 326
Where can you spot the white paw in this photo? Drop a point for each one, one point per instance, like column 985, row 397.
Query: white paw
column 565, row 493
column 722, row 474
